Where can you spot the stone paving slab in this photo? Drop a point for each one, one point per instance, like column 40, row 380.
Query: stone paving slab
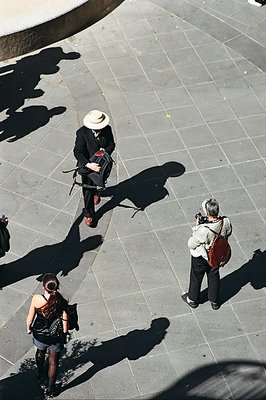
column 176, row 95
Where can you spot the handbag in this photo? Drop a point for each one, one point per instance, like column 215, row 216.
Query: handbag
column 48, row 331
column 56, row 328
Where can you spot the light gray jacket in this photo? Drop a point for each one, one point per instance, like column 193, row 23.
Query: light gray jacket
column 202, row 238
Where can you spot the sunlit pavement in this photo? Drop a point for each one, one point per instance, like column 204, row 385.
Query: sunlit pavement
column 184, row 83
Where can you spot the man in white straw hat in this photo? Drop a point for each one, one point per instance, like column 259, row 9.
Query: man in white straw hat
column 95, row 135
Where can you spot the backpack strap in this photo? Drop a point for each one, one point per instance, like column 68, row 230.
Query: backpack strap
column 75, row 182
column 71, row 170
column 216, row 233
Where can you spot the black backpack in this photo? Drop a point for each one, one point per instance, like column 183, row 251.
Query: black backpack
column 99, row 179
column 4, row 239
column 105, row 161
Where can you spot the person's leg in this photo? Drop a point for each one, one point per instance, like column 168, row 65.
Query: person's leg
column 40, row 359
column 213, row 275
column 197, row 271
column 88, row 195
column 95, row 179
column 52, row 369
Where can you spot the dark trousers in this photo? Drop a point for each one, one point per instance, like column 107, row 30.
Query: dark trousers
column 200, row 266
column 88, row 195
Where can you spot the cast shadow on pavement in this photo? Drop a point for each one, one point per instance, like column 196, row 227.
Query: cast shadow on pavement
column 245, row 378
column 132, row 346
column 18, row 83
column 253, row 272
column 142, row 190
column 21, row 123
column 59, row 257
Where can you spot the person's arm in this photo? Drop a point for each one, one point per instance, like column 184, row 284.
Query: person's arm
column 110, row 142
column 229, row 228
column 80, row 146
column 65, row 322
column 31, row 315
column 196, row 239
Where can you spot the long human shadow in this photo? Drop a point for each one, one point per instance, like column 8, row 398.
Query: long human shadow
column 21, row 123
column 143, row 189
column 61, row 257
column 132, row 346
column 18, row 82
column 253, row 272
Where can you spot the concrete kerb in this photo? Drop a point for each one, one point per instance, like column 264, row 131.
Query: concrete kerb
column 52, row 28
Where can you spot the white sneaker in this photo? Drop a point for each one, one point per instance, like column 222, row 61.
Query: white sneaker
column 255, row 3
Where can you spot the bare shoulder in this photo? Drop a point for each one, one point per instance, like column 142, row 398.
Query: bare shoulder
column 38, row 300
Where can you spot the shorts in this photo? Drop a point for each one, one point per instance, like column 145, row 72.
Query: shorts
column 56, row 347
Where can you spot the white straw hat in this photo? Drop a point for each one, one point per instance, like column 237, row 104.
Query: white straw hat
column 96, row 119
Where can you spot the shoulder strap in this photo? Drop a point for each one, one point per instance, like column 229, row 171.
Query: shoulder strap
column 44, row 297
column 216, row 233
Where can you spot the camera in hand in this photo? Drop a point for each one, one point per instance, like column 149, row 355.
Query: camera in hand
column 201, row 218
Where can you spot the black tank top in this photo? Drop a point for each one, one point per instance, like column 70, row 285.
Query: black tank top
column 40, row 323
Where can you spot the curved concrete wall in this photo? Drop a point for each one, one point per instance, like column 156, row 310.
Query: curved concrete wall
column 36, row 37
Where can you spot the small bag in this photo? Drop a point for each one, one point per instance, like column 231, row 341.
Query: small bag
column 220, row 251
column 49, row 331
column 56, row 328
column 72, row 313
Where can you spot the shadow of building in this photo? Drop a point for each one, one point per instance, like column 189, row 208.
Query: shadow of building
column 246, row 380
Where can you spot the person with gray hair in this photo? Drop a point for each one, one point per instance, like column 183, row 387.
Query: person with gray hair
column 205, row 231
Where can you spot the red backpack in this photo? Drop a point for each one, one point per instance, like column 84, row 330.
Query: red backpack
column 220, row 251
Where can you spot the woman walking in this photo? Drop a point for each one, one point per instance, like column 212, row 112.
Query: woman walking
column 47, row 321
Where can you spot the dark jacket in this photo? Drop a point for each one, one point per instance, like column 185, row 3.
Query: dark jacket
column 87, row 144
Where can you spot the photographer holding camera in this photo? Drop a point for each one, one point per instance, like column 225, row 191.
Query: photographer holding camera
column 207, row 228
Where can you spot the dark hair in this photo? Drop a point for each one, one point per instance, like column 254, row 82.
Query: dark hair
column 212, row 207
column 56, row 303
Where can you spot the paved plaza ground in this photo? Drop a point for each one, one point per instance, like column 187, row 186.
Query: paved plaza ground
column 185, row 86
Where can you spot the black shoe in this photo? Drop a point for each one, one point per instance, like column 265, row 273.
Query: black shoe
column 43, row 380
column 49, row 394
column 191, row 303
column 215, row 306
